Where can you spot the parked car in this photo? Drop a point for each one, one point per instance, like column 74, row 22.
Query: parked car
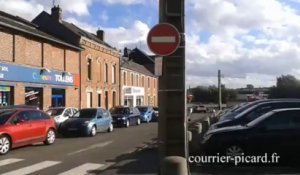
column 232, row 113
column 156, row 112
column 61, row 114
column 19, row 107
column 277, row 131
column 147, row 113
column 125, row 116
column 256, row 111
column 20, row 127
column 200, row 109
column 88, row 122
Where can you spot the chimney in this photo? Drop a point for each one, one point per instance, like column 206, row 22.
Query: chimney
column 100, row 34
column 56, row 13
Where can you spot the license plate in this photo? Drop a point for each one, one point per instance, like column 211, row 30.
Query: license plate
column 72, row 129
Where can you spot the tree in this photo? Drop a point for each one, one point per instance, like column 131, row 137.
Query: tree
column 210, row 94
column 287, row 86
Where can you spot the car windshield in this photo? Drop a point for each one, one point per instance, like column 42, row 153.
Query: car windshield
column 4, row 115
column 87, row 113
column 143, row 109
column 119, row 111
column 53, row 112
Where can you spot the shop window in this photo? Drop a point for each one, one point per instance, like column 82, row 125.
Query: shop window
column 6, row 96
column 34, row 97
column 89, row 68
column 58, row 97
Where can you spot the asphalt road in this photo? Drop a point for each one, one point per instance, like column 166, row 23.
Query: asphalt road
column 106, row 153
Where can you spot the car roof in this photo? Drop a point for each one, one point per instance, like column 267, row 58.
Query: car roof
column 286, row 109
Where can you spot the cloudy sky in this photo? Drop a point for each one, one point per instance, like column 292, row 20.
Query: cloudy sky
column 252, row 42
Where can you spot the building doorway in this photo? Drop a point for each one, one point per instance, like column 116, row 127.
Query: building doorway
column 106, row 99
column 114, row 98
column 89, row 99
column 58, row 98
column 34, row 96
column 99, row 100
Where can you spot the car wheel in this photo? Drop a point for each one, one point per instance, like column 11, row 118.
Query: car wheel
column 4, row 145
column 138, row 122
column 234, row 150
column 93, row 131
column 127, row 124
column 50, row 138
column 110, row 128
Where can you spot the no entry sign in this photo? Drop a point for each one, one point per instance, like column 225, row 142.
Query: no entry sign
column 163, row 39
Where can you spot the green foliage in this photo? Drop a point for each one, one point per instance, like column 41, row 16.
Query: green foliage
column 287, row 86
column 211, row 94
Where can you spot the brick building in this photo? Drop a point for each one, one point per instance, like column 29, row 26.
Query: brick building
column 99, row 65
column 36, row 68
column 139, row 84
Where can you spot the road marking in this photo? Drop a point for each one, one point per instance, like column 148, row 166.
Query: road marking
column 163, row 39
column 32, row 168
column 99, row 145
column 9, row 161
column 83, row 169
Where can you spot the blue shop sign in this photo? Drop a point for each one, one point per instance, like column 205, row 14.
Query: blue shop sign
column 10, row 72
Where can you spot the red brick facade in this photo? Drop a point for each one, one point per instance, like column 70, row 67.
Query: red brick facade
column 105, row 93
column 25, row 50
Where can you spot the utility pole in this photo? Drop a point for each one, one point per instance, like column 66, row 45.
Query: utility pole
column 220, row 89
column 172, row 131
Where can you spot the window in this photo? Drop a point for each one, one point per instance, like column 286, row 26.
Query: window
column 36, row 115
column 106, row 100
column 132, row 79
column 154, row 83
column 114, row 98
column 114, row 73
column 137, row 80
column 148, row 82
column 89, row 99
column 255, row 113
column 124, row 78
column 143, row 81
column 279, row 121
column 68, row 113
column 89, row 68
column 74, row 111
column 105, row 73
column 99, row 71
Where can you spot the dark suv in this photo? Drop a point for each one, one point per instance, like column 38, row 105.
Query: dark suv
column 254, row 112
column 125, row 116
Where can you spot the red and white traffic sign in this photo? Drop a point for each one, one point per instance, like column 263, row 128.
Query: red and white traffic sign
column 163, row 39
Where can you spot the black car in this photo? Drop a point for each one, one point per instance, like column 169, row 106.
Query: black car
column 125, row 116
column 237, row 110
column 254, row 112
column 277, row 132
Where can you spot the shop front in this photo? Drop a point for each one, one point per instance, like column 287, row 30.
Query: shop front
column 42, row 87
column 6, row 95
column 133, row 96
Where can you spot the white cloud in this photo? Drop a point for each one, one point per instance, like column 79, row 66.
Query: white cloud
column 256, row 41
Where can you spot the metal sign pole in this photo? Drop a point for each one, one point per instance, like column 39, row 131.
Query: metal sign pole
column 172, row 92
